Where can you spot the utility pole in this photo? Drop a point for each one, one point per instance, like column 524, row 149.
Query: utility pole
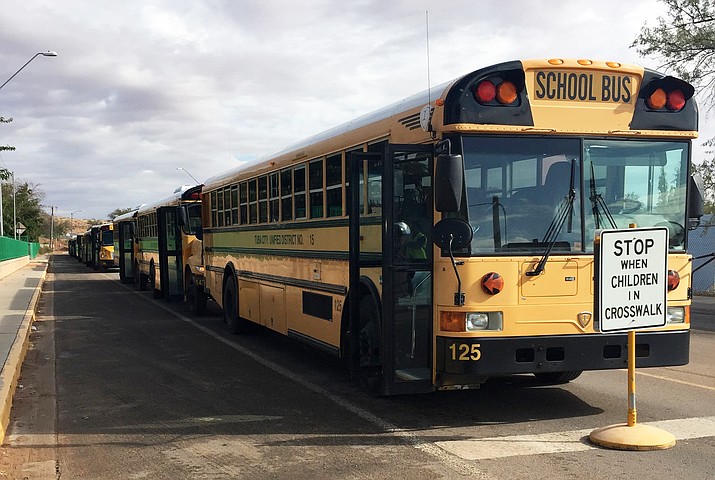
column 52, row 229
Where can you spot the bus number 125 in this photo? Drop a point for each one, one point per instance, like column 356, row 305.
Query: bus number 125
column 466, row 351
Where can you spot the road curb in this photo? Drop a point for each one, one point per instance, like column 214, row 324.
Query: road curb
column 11, row 372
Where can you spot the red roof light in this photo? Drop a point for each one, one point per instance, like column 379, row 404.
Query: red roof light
column 676, row 100
column 485, row 92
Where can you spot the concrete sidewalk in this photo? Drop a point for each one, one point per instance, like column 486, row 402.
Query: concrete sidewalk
column 19, row 297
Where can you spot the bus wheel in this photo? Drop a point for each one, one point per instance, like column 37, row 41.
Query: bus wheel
column 557, row 378
column 369, row 333
column 234, row 323
column 195, row 297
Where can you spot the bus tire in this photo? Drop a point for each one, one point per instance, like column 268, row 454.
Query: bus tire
column 195, row 296
column 557, row 378
column 369, row 333
column 233, row 321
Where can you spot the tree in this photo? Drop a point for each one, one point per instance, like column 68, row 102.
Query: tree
column 5, row 173
column 27, row 205
column 119, row 211
column 685, row 42
column 706, row 170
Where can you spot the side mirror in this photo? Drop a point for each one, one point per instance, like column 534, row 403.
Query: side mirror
column 199, row 232
column 456, row 230
column 696, row 207
column 183, row 217
column 448, row 182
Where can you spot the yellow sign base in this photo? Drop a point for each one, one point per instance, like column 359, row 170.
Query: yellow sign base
column 636, row 437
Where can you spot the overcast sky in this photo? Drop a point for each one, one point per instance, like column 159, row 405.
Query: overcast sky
column 141, row 87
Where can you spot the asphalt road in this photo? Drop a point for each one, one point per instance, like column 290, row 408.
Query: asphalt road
column 117, row 385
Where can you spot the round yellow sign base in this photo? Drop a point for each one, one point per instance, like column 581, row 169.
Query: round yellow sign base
column 636, row 437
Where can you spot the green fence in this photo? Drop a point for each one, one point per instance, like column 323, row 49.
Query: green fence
column 11, row 248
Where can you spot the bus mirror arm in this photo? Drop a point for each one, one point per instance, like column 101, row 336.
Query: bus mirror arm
column 459, row 297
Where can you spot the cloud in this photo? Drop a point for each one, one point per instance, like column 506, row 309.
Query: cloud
column 140, row 88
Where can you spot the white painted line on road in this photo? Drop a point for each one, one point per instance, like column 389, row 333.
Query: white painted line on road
column 682, row 382
column 459, row 453
column 561, row 442
column 461, row 466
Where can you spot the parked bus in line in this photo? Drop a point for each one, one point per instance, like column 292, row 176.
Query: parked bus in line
column 449, row 237
column 125, row 248
column 169, row 256
column 104, row 246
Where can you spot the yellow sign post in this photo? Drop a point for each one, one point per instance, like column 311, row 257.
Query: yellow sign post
column 641, row 253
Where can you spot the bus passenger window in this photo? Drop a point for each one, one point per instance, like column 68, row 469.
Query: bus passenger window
column 220, row 207
column 299, row 188
column 263, row 199
column 214, row 210
column 227, row 206
column 243, row 192
column 334, row 185
column 234, row 204
column 286, row 195
column 273, row 198
column 253, row 201
column 315, row 175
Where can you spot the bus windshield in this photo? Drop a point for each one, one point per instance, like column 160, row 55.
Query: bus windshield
column 107, row 238
column 194, row 216
column 526, row 194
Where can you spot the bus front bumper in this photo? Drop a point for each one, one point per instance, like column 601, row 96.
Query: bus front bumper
column 483, row 357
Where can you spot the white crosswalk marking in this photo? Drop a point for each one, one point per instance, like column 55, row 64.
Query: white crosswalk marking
column 560, row 442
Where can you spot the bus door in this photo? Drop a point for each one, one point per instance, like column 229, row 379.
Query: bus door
column 126, row 252
column 170, row 264
column 391, row 251
column 95, row 236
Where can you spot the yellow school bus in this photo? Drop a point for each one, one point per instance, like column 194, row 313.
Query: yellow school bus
column 449, row 237
column 168, row 259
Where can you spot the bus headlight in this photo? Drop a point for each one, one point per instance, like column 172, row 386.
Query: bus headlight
column 675, row 315
column 470, row 321
column 484, row 321
column 477, row 321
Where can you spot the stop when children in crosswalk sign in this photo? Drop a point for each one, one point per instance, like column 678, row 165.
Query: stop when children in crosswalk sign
column 631, row 279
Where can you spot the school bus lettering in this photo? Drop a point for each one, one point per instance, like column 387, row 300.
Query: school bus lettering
column 584, row 87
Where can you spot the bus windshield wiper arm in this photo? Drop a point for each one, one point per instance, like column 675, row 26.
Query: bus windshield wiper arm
column 598, row 204
column 565, row 211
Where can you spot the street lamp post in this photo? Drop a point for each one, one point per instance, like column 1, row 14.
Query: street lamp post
column 187, row 172
column 72, row 218
column 44, row 54
column 14, row 208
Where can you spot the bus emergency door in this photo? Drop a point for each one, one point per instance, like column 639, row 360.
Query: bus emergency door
column 170, row 264
column 95, row 236
column 391, row 258
column 126, row 252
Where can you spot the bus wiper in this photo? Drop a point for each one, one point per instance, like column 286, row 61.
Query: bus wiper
column 565, row 211
column 598, row 204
